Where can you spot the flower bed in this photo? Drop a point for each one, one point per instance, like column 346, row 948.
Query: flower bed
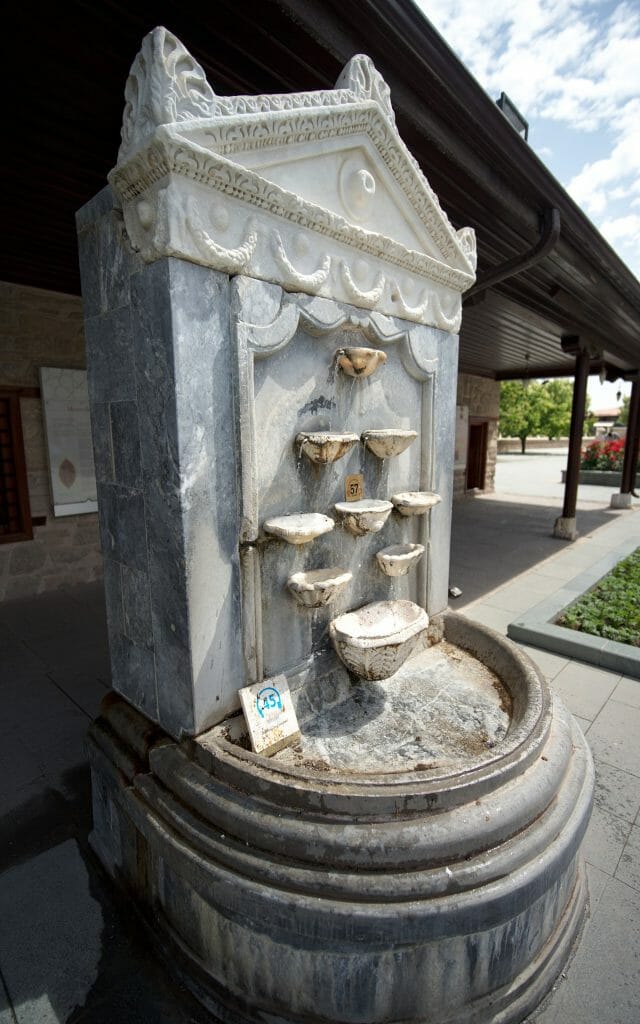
column 605, row 454
column 612, row 608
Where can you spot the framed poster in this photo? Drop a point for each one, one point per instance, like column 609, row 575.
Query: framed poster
column 65, row 404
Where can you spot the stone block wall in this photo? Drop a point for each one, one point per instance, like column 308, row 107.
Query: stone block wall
column 43, row 328
column 481, row 396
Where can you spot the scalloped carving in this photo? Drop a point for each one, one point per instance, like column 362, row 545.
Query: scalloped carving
column 233, row 261
column 294, row 278
column 359, row 296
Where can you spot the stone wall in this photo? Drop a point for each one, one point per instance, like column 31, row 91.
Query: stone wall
column 42, row 328
column 481, row 396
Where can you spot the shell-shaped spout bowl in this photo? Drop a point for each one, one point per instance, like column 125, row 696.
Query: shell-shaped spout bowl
column 299, row 528
column 389, row 442
column 374, row 641
column 322, row 446
column 365, row 516
column 398, row 559
column 415, row 503
column 318, row 587
column 360, row 362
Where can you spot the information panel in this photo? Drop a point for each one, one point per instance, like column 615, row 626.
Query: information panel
column 65, row 402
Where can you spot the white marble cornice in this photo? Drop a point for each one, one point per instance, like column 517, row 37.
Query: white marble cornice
column 315, row 192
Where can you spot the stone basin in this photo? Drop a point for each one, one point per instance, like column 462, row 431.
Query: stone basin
column 318, row 587
column 375, row 640
column 365, row 516
column 323, row 447
column 300, row 528
column 388, row 442
column 415, row 503
column 399, row 559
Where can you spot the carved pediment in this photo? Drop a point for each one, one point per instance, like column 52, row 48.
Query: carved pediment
column 313, row 191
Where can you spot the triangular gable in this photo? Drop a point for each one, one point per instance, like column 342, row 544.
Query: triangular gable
column 314, row 191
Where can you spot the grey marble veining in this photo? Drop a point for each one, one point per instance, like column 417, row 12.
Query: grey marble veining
column 197, row 398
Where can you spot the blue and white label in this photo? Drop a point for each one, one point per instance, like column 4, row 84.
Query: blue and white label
column 269, row 699
column 269, row 714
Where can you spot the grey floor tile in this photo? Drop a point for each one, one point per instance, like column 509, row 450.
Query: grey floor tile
column 617, row 791
column 495, row 618
column 522, row 593
column 605, row 839
column 29, row 700
column 61, row 731
column 627, row 692
column 584, row 688
column 628, row 869
column 50, row 943
column 550, row 664
column 85, row 691
column 597, row 880
column 615, row 736
column 7, row 1015
column 19, row 765
column 601, row 983
column 584, row 724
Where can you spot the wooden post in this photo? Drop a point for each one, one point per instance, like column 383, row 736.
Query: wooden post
column 630, row 462
column 565, row 525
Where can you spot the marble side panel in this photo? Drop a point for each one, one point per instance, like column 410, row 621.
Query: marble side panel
column 125, row 435
column 180, row 319
column 116, row 261
column 113, row 596
column 133, row 673
column 444, row 411
column 122, row 526
column 207, row 445
column 136, row 607
column 92, row 211
column 110, row 364
column 102, row 447
column 89, row 270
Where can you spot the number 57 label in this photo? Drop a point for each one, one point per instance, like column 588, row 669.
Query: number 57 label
column 354, row 487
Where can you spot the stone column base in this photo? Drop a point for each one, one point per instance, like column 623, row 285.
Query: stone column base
column 620, row 501
column 565, row 528
column 284, row 894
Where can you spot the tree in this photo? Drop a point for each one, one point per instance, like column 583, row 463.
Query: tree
column 623, row 416
column 520, row 410
column 555, row 415
column 530, row 408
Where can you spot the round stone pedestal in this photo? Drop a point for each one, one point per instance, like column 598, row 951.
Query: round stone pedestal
column 287, row 892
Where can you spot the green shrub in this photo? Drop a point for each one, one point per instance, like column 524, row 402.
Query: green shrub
column 612, row 608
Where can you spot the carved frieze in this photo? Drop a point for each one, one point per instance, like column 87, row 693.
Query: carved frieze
column 312, row 191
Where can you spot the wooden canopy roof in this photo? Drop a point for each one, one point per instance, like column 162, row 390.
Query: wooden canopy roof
column 65, row 110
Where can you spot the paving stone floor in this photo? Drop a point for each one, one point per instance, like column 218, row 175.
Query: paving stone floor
column 71, row 952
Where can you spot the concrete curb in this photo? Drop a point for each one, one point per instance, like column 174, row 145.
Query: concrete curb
column 537, row 627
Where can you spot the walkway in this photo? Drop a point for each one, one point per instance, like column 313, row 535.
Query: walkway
column 505, row 562
column 70, row 951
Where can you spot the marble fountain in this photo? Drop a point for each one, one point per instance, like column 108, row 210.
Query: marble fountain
column 272, row 296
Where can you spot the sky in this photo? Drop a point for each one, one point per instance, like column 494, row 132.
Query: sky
column 572, row 68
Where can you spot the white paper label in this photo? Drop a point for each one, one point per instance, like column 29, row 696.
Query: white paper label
column 270, row 715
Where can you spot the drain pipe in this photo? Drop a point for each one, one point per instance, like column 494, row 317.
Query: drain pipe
column 549, row 235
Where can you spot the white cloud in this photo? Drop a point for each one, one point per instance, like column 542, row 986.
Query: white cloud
column 575, row 62
column 617, row 176
column 621, row 229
